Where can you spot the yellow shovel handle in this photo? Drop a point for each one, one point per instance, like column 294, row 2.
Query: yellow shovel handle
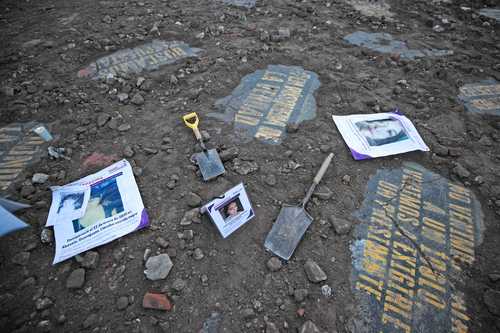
column 191, row 120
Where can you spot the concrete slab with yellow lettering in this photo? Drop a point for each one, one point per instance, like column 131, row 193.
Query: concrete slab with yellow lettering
column 19, row 146
column 146, row 57
column 483, row 97
column 266, row 101
column 418, row 231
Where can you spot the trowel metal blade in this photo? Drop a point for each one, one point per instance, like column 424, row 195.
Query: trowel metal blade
column 210, row 164
column 287, row 231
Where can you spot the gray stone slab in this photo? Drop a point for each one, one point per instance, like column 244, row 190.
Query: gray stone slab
column 384, row 43
column 241, row 3
column 266, row 101
column 146, row 57
column 417, row 231
column 482, row 97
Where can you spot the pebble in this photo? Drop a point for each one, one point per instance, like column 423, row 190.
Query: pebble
column 158, row 267
column 39, row 178
column 492, row 300
column 162, row 242
column 76, row 279
column 44, row 326
column 494, row 277
column 191, row 216
column 102, row 119
column 193, row 200
column 245, row 167
column 147, row 253
column 27, row 190
column 137, row 99
column 178, row 285
column 128, row 152
column 122, row 303
column 326, row 290
column 140, row 81
column 43, row 303
column 461, row 171
column 248, row 314
column 341, row 226
column 21, row 258
column 90, row 321
column 323, row 193
column 346, row 179
column 274, row 264
column 229, row 154
column 309, row 327
column 187, row 234
column 124, row 127
column 314, row 273
column 271, row 327
column 122, row 97
column 46, row 236
column 198, row 254
column 90, row 259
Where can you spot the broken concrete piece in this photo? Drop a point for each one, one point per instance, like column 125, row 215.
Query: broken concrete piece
column 158, row 267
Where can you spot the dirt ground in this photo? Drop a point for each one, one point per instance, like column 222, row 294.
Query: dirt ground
column 44, row 45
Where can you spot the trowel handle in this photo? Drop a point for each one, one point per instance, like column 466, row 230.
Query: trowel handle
column 323, row 169
column 191, row 120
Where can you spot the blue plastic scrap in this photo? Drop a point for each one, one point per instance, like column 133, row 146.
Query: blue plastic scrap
column 8, row 221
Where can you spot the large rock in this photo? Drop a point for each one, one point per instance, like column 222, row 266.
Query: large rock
column 158, row 267
column 314, row 273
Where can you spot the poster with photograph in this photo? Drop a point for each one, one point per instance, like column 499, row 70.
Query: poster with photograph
column 376, row 135
column 114, row 208
column 230, row 211
column 68, row 203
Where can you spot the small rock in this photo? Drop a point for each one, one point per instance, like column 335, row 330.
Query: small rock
column 326, row 290
column 309, row 327
column 44, row 326
column 39, row 178
column 124, row 127
column 46, row 236
column 271, row 327
column 162, row 242
column 107, row 19
column 90, row 259
column 229, row 154
column 43, row 303
column 122, row 97
column 61, row 319
column 198, row 254
column 140, row 81
column 461, row 171
column 102, row 119
column 27, row 283
column 158, row 267
column 492, row 300
column 21, row 258
column 314, row 273
column 300, row 295
column 193, row 200
column 323, row 193
column 178, row 285
column 270, row 180
column 90, row 321
column 191, row 216
column 76, row 279
column 274, row 264
column 137, row 99
column 204, row 279
column 301, row 312
column 494, row 277
column 147, row 253
column 122, row 303
column 156, row 302
column 27, row 190
column 340, row 225
column 173, row 80
column 128, row 152
column 245, row 167
column 187, row 234
column 292, row 128
column 346, row 179
column 248, row 314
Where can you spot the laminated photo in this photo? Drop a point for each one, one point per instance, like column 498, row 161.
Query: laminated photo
column 68, row 203
column 230, row 211
column 113, row 209
column 376, row 135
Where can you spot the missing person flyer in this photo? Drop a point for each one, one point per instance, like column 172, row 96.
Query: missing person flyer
column 114, row 208
column 381, row 134
column 230, row 211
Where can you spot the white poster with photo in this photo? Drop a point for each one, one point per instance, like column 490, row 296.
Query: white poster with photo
column 230, row 211
column 381, row 134
column 68, row 203
column 114, row 209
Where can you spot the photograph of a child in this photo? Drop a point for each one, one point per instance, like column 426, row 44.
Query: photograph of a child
column 231, row 210
column 382, row 131
column 70, row 202
column 105, row 201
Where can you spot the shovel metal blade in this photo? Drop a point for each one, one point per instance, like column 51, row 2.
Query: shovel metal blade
column 210, row 164
column 287, row 231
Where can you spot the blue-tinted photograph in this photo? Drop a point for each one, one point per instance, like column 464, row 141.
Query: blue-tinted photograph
column 70, row 202
column 382, row 131
column 105, row 201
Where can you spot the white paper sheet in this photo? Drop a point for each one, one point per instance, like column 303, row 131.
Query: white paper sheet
column 377, row 135
column 114, row 209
